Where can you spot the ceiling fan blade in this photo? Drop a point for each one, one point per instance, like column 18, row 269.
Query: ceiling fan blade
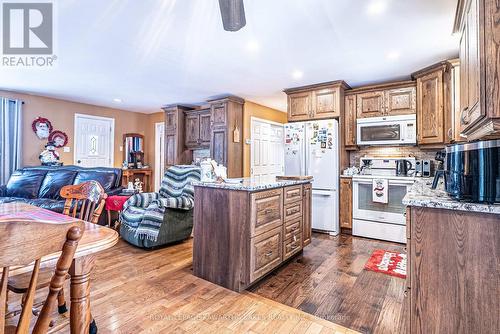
column 233, row 14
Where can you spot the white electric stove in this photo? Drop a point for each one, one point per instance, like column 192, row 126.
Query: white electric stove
column 384, row 221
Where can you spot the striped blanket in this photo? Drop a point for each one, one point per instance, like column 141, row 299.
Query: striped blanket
column 143, row 213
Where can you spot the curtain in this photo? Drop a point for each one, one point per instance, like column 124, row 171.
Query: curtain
column 10, row 137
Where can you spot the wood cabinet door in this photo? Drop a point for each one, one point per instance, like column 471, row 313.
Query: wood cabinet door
column 473, row 92
column 192, row 125
column 219, row 114
column 170, row 149
column 265, row 253
column 218, row 145
column 326, row 103
column 464, row 81
column 400, row 101
column 299, row 106
column 170, row 121
column 345, row 203
column 205, row 129
column 306, row 216
column 350, row 121
column 430, row 110
column 370, row 104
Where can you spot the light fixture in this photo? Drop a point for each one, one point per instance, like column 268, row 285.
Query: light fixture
column 393, row 55
column 253, row 46
column 233, row 14
column 376, row 7
column 297, row 74
column 117, row 100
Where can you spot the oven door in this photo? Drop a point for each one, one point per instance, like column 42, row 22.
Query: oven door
column 393, row 212
column 380, row 133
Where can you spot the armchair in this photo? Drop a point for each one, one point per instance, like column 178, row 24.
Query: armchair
column 151, row 220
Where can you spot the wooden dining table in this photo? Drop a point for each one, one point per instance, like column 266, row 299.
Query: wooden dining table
column 95, row 239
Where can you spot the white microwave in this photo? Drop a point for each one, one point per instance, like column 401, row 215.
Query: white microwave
column 390, row 130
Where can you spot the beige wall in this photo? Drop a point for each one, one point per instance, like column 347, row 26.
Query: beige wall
column 259, row 111
column 61, row 114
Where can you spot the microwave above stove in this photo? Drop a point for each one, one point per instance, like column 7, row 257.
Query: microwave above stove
column 390, row 130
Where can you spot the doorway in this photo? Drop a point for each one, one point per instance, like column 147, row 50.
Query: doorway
column 267, row 148
column 159, row 153
column 94, row 141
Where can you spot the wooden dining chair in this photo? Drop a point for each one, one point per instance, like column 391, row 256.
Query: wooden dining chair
column 84, row 201
column 23, row 243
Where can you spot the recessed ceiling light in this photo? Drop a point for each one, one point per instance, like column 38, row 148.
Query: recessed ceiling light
column 253, row 46
column 117, row 100
column 297, row 74
column 393, row 55
column 376, row 7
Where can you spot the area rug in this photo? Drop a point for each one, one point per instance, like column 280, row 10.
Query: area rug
column 386, row 262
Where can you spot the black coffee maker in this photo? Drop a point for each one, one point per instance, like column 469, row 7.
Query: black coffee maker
column 403, row 166
column 440, row 156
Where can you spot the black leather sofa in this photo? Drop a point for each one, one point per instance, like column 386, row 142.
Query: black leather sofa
column 40, row 185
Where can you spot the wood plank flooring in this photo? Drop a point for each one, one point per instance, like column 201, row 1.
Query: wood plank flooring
column 328, row 281
column 138, row 291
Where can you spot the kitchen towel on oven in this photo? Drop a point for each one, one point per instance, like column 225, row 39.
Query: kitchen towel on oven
column 380, row 193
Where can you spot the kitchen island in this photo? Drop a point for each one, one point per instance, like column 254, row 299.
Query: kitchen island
column 453, row 275
column 244, row 230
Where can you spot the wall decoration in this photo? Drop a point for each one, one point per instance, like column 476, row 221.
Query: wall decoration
column 42, row 127
column 50, row 157
column 59, row 138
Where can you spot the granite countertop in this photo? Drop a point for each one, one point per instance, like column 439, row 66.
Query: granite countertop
column 250, row 184
column 422, row 195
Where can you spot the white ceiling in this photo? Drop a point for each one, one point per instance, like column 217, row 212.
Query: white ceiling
column 151, row 53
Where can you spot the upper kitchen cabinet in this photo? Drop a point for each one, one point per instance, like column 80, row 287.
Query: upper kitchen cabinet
column 175, row 152
column 319, row 101
column 434, row 105
column 226, row 143
column 391, row 99
column 350, row 122
column 197, row 128
column 477, row 23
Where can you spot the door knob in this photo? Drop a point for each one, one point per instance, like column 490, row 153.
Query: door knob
column 78, row 161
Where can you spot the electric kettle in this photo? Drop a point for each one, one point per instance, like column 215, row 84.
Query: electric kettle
column 403, row 166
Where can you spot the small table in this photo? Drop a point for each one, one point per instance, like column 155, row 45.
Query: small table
column 115, row 203
column 129, row 175
column 95, row 239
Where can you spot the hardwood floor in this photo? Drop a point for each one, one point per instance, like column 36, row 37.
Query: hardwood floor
column 328, row 281
column 137, row 291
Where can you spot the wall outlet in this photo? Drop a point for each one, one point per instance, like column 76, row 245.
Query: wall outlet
column 66, row 149
column 121, row 148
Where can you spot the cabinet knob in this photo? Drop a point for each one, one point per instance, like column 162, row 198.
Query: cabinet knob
column 268, row 254
column 450, row 133
column 464, row 116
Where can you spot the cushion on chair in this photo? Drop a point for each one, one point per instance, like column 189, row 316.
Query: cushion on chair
column 54, row 181
column 106, row 179
column 25, row 183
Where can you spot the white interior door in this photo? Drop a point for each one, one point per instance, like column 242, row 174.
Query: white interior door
column 159, row 154
column 94, row 141
column 267, row 157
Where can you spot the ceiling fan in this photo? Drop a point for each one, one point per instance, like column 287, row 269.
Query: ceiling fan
column 233, row 14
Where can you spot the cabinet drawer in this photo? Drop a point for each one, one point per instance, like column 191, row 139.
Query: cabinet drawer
column 293, row 210
column 293, row 194
column 292, row 246
column 293, row 227
column 267, row 211
column 265, row 253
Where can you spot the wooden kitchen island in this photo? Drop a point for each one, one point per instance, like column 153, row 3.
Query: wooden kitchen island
column 244, row 231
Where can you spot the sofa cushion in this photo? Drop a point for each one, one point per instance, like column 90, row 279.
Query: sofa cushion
column 25, row 183
column 54, row 181
column 106, row 179
column 13, row 199
column 49, row 204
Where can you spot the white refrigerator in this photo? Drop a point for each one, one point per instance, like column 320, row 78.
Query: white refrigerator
column 312, row 148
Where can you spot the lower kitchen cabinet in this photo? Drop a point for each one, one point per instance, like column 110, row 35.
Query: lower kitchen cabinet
column 345, row 206
column 452, row 271
column 240, row 235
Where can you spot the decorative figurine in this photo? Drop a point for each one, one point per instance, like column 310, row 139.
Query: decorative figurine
column 50, row 157
column 42, row 127
column 138, row 185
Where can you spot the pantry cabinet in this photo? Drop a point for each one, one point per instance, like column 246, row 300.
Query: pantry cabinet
column 477, row 23
column 175, row 152
column 321, row 101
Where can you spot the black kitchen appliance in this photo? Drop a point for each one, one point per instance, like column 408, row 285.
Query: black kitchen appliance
column 440, row 157
column 472, row 171
column 403, row 166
